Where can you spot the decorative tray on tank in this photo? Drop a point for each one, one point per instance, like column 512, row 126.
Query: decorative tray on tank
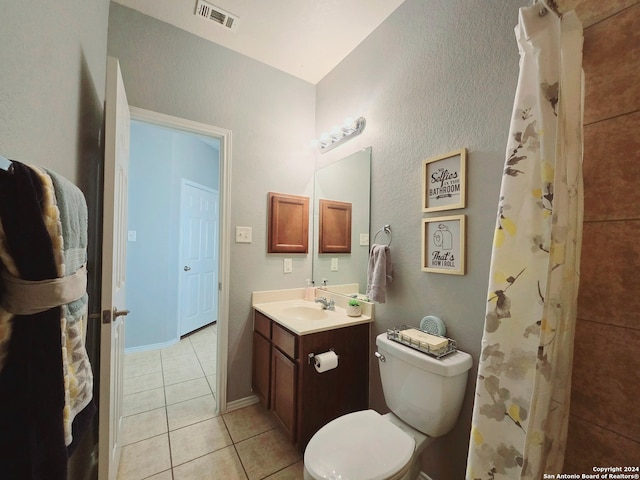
column 417, row 339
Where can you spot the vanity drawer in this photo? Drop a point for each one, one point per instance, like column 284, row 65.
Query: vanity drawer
column 262, row 324
column 284, row 340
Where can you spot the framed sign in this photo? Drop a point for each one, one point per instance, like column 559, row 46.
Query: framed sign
column 443, row 244
column 444, row 182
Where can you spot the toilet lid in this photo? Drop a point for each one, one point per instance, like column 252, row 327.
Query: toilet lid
column 358, row 445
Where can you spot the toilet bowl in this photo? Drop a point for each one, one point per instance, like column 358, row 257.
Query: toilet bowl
column 425, row 395
column 364, row 445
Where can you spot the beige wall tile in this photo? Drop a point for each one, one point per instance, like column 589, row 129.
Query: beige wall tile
column 589, row 445
column 611, row 66
column 609, row 280
column 606, row 377
column 593, row 11
column 612, row 169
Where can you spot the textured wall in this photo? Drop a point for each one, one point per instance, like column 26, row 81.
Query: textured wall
column 52, row 82
column 434, row 77
column 52, row 73
column 271, row 115
column 604, row 427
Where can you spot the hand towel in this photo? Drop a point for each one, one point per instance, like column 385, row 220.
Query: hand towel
column 379, row 272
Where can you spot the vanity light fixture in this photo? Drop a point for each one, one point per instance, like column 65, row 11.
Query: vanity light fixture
column 340, row 134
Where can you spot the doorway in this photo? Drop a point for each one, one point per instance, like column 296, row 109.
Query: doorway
column 203, row 154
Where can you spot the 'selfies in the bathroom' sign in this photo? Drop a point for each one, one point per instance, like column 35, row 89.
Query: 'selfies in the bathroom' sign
column 444, row 182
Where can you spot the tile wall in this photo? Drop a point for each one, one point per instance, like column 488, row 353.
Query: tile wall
column 604, row 426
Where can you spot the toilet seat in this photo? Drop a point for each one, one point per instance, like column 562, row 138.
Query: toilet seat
column 360, row 445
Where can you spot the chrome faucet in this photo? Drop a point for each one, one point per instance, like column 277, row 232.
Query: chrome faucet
column 326, row 304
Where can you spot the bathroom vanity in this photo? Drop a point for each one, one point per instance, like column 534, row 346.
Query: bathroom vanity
column 287, row 334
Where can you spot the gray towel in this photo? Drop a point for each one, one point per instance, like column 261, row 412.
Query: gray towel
column 379, row 272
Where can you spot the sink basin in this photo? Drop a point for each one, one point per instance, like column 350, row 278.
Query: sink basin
column 300, row 312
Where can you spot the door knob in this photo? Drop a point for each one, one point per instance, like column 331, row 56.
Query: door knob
column 119, row 313
column 187, row 268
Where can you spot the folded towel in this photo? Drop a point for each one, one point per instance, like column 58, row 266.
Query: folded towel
column 379, row 272
column 43, row 240
column 73, row 221
column 32, row 397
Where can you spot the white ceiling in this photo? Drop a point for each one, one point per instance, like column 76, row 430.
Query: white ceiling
column 305, row 38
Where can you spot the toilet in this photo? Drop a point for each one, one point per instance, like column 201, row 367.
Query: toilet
column 424, row 395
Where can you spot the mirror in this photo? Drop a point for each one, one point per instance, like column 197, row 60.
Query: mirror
column 347, row 180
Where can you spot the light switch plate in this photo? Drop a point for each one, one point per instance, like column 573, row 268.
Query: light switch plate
column 243, row 234
column 334, row 264
column 131, row 235
column 364, row 239
column 288, row 265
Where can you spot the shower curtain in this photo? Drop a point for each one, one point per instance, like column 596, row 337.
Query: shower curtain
column 521, row 407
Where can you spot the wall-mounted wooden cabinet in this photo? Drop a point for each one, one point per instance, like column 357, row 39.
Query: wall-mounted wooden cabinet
column 288, row 223
column 334, row 224
column 302, row 399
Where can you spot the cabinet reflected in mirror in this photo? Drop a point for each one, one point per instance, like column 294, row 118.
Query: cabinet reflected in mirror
column 346, row 181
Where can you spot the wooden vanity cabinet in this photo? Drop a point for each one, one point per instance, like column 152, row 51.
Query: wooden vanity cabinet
column 287, row 383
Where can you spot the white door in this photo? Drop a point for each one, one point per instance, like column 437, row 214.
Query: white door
column 116, row 174
column 198, row 256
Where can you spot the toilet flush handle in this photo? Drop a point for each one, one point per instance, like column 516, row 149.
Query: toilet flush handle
column 380, row 357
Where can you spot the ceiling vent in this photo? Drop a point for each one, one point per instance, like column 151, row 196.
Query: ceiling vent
column 217, row 15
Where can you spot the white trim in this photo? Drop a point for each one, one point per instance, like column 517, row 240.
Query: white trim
column 242, row 402
column 424, row 476
column 224, row 136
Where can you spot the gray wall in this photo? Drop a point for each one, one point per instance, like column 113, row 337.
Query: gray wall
column 435, row 77
column 271, row 115
column 52, row 79
column 160, row 159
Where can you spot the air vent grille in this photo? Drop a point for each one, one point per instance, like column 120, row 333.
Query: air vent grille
column 216, row 14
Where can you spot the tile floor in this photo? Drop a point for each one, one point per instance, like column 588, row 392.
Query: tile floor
column 171, row 431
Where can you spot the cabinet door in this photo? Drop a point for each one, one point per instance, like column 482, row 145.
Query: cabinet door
column 261, row 379
column 283, row 390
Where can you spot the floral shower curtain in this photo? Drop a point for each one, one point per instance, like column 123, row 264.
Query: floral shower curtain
column 521, row 408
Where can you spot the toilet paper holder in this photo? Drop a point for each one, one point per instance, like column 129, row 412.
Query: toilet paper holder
column 312, row 355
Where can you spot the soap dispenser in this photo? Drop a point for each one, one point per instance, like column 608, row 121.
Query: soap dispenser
column 309, row 292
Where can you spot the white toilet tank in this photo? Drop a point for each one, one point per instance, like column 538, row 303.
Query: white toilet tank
column 423, row 391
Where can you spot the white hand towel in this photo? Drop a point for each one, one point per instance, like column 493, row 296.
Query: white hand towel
column 379, row 272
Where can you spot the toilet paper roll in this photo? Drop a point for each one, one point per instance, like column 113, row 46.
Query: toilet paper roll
column 325, row 361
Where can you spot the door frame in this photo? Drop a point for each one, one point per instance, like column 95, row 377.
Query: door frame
column 224, row 269
column 181, row 282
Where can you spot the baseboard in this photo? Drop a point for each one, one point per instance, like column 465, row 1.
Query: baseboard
column 242, row 402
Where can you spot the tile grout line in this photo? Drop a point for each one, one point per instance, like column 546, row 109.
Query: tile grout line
column 166, row 413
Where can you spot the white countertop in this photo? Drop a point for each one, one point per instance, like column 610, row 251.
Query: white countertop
column 302, row 317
